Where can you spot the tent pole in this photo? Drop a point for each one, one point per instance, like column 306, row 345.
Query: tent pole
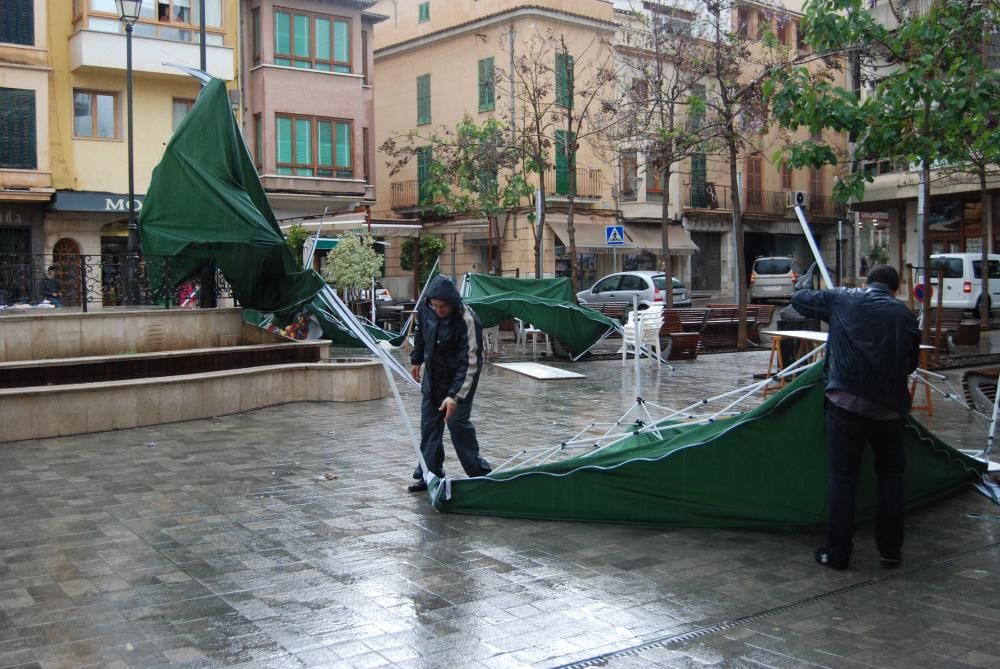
column 812, row 245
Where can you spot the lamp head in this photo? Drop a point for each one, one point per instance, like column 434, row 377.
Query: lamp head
column 128, row 10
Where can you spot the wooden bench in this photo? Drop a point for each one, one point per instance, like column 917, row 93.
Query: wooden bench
column 948, row 325
column 758, row 316
column 613, row 310
column 684, row 345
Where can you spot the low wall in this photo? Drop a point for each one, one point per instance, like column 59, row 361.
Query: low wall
column 52, row 411
column 60, row 333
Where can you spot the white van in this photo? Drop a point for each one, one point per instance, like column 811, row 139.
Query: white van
column 963, row 283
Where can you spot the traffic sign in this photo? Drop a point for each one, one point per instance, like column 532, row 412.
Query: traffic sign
column 918, row 292
column 614, row 235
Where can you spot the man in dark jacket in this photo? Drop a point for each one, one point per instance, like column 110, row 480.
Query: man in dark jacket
column 449, row 343
column 873, row 346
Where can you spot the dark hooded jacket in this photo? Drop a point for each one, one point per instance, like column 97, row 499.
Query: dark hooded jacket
column 452, row 349
column 874, row 342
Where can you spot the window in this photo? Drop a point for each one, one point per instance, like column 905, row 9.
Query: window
column 630, row 174
column 176, row 20
column 793, row 33
column 654, row 179
column 696, row 106
column 364, row 56
column 609, row 284
column 487, row 86
column 816, row 196
column 364, row 153
column 17, row 127
column 424, row 10
column 258, row 140
column 786, row 178
column 255, row 27
column 18, row 26
column 699, row 177
column 781, row 30
column 992, row 50
column 181, row 109
column 423, row 99
column 799, row 39
column 312, row 41
column 95, row 114
column 640, row 90
column 564, row 80
column 743, row 22
column 562, row 161
column 763, row 24
column 423, row 172
column 755, row 186
column 314, row 147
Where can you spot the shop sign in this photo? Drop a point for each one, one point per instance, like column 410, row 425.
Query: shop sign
column 112, row 203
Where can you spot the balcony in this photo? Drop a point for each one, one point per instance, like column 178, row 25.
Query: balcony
column 104, row 50
column 589, row 183
column 406, row 195
column 765, row 203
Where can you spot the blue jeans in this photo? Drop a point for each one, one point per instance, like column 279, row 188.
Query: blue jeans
column 846, row 436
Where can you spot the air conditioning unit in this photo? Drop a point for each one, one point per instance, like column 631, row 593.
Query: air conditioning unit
column 797, row 198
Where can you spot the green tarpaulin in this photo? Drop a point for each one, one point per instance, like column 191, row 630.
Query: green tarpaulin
column 548, row 304
column 206, row 206
column 765, row 468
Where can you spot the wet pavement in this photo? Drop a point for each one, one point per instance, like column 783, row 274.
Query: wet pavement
column 285, row 537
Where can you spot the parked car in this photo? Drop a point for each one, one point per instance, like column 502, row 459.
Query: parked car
column 963, row 281
column 648, row 285
column 773, row 278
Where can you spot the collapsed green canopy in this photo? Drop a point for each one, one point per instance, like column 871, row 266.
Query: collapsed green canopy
column 765, row 468
column 548, row 304
column 206, row 206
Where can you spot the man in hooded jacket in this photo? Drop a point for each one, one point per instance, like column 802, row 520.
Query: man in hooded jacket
column 448, row 342
column 873, row 347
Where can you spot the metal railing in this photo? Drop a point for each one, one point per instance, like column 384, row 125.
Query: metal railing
column 589, row 182
column 83, row 281
column 774, row 203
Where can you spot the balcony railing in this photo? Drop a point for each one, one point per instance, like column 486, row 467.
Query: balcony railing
column 766, row 202
column 589, row 182
column 406, row 195
column 84, row 280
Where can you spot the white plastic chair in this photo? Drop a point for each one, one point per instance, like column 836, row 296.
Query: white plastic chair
column 648, row 323
column 491, row 341
column 523, row 330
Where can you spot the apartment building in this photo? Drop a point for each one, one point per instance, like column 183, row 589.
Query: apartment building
column 888, row 209
column 308, row 104
column 703, row 190
column 26, row 184
column 88, row 117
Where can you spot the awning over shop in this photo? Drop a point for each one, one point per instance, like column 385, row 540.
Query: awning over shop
column 325, row 244
column 590, row 237
column 650, row 237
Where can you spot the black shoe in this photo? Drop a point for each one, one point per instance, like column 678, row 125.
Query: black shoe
column 823, row 557
column 419, row 486
column 891, row 561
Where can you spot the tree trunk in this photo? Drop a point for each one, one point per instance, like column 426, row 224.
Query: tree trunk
column 741, row 293
column 925, row 261
column 665, row 259
column 540, row 227
column 986, row 219
column 570, row 229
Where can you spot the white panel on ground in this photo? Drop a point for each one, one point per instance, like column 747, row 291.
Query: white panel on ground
column 537, row 371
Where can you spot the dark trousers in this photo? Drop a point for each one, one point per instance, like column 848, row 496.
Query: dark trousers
column 463, row 437
column 846, row 436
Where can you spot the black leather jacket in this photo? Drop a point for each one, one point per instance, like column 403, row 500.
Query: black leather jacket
column 462, row 351
column 874, row 342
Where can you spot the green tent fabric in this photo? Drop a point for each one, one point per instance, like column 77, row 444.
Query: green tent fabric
column 548, row 304
column 206, row 206
column 765, row 468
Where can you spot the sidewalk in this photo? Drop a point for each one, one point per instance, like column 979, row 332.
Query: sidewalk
column 284, row 537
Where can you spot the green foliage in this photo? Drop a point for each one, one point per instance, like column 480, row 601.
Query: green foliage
column 879, row 255
column 353, row 263
column 296, row 239
column 431, row 248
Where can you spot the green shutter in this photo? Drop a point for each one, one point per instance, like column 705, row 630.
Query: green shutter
column 343, row 145
column 564, row 74
column 303, row 146
column 282, row 34
column 423, row 99
column 258, row 137
column 322, row 39
column 487, row 92
column 424, row 10
column 301, row 45
column 562, row 163
column 423, row 171
column 342, row 45
column 18, row 24
column 699, row 197
column 17, row 128
column 283, row 139
column 324, row 131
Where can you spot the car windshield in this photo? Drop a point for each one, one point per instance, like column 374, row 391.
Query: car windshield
column 773, row 266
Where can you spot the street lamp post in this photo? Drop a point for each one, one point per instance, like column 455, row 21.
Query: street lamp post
column 128, row 14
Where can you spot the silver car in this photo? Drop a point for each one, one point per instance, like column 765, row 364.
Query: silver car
column 774, row 278
column 648, row 285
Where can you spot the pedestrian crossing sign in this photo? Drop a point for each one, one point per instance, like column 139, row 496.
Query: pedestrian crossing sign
column 614, row 235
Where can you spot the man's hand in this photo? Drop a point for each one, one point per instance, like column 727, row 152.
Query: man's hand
column 415, row 371
column 448, row 406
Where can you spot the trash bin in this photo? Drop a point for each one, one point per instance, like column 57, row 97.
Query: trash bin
column 967, row 334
